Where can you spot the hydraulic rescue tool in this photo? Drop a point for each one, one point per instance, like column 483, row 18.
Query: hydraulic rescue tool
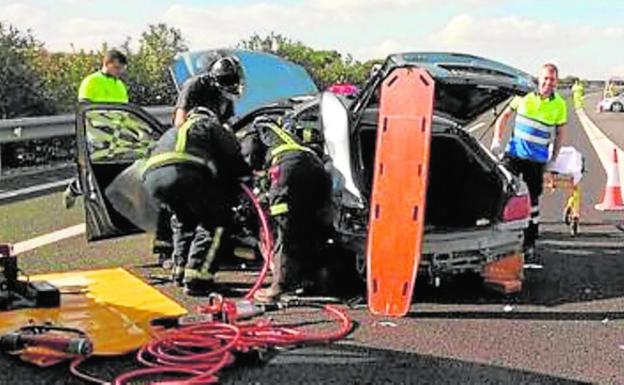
column 16, row 293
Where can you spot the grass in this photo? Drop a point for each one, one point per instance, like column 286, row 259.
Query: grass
column 30, row 218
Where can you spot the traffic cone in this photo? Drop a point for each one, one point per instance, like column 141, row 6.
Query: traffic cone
column 612, row 200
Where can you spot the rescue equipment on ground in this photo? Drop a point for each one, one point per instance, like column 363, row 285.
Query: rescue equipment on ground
column 200, row 350
column 505, row 275
column 16, row 293
column 116, row 321
column 46, row 345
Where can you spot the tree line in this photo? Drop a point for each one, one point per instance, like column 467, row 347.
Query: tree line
column 36, row 81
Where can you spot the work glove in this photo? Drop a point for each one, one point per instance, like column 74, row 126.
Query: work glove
column 496, row 147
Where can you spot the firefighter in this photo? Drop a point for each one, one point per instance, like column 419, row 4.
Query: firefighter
column 299, row 196
column 224, row 74
column 540, row 121
column 193, row 171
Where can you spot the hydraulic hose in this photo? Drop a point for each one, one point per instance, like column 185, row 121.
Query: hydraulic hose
column 266, row 241
column 201, row 350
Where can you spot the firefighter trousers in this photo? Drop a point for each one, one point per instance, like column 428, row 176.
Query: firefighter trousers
column 300, row 204
column 200, row 216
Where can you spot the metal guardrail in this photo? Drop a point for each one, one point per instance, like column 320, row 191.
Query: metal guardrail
column 43, row 127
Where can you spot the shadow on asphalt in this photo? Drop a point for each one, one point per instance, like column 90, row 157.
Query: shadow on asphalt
column 335, row 364
column 582, row 269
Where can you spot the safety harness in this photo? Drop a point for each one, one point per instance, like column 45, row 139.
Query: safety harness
column 179, row 154
column 289, row 145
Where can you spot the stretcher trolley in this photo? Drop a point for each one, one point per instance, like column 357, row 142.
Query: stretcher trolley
column 565, row 174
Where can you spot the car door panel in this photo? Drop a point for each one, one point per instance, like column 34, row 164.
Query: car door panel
column 110, row 138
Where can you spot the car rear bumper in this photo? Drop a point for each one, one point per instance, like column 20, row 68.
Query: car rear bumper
column 468, row 251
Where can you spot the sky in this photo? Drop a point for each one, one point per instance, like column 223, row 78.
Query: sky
column 584, row 38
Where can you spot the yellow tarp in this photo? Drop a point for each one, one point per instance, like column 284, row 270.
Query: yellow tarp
column 112, row 306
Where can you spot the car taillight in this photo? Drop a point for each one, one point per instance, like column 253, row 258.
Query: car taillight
column 518, row 207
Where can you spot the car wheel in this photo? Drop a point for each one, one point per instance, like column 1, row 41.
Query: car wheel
column 617, row 107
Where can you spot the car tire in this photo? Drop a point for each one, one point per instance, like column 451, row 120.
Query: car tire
column 617, row 107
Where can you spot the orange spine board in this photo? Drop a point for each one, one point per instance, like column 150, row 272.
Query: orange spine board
column 397, row 210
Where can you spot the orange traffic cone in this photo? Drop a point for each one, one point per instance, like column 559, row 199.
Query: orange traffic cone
column 612, row 200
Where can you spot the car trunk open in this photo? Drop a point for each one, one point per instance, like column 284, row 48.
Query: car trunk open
column 463, row 189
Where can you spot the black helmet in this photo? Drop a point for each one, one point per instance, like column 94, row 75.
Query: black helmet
column 225, row 73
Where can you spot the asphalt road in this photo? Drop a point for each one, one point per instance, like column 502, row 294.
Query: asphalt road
column 566, row 327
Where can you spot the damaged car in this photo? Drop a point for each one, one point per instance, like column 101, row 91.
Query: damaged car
column 476, row 208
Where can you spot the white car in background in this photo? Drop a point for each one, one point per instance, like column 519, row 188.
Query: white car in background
column 615, row 104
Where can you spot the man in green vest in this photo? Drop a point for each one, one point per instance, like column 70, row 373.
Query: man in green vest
column 103, row 86
column 540, row 121
column 578, row 94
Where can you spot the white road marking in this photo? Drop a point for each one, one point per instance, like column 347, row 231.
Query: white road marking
column 46, row 239
column 580, row 243
column 34, row 189
column 601, row 143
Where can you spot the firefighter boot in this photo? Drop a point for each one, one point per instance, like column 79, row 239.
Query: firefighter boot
column 197, row 282
column 284, row 272
column 177, row 275
column 199, row 272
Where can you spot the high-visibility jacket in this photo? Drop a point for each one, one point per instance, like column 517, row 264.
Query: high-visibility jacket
column 102, row 88
column 201, row 140
column 578, row 89
column 535, row 125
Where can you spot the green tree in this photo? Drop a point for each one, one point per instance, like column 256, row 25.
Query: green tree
column 324, row 66
column 63, row 73
column 149, row 80
column 23, row 90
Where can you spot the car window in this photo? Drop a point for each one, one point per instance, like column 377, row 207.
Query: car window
column 117, row 136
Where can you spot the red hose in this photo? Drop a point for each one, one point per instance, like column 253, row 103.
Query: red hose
column 201, row 350
column 73, row 368
column 266, row 241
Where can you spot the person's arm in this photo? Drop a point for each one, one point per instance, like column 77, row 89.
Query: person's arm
column 501, row 124
column 560, row 134
column 86, row 90
column 179, row 116
column 186, row 101
column 499, row 129
column 124, row 92
column 560, row 131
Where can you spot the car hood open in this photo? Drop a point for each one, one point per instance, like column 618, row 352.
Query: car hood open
column 266, row 78
column 466, row 85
